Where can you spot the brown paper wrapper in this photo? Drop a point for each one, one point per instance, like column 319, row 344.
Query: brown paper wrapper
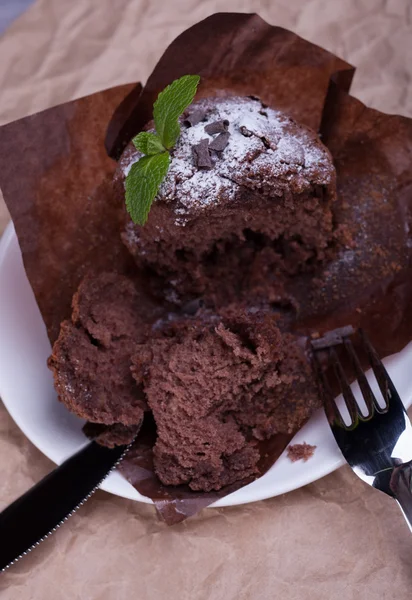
column 370, row 284
column 56, row 179
column 176, row 503
column 55, row 176
column 238, row 54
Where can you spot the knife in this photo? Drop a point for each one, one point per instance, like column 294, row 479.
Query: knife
column 42, row 509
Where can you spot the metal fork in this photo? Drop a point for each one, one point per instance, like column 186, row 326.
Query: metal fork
column 378, row 444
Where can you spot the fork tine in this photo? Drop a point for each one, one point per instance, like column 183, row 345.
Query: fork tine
column 332, row 412
column 379, row 370
column 367, row 393
column 345, row 387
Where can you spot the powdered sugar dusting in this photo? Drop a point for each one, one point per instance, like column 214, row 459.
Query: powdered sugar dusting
column 129, row 157
column 267, row 152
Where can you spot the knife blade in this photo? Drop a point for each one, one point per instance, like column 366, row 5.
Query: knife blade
column 48, row 504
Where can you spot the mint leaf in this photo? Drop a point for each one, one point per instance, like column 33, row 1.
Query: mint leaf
column 170, row 104
column 142, row 184
column 145, row 176
column 148, row 143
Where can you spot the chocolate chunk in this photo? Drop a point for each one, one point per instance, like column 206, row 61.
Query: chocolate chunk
column 332, row 338
column 217, row 127
column 195, row 117
column 220, row 142
column 245, row 131
column 201, row 155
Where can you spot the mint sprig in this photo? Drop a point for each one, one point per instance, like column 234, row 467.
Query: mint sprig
column 170, row 104
column 146, row 175
column 142, row 183
column 148, row 143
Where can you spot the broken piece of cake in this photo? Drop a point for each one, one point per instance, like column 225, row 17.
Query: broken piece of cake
column 91, row 357
column 217, row 384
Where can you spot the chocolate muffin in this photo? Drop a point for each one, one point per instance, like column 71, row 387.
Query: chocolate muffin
column 216, row 386
column 247, row 200
column 246, row 205
column 91, row 357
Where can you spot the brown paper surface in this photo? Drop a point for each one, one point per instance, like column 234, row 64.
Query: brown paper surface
column 333, row 539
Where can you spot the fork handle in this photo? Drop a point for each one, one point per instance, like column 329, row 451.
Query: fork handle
column 401, row 487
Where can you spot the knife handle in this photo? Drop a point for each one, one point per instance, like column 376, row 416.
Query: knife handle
column 44, row 507
column 401, row 487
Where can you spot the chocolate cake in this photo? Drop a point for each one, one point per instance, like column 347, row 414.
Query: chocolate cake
column 216, row 386
column 247, row 204
column 91, row 358
column 247, row 200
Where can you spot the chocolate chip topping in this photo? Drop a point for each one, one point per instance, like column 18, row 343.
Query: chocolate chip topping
column 220, row 142
column 217, row 127
column 195, row 117
column 245, row 131
column 296, row 160
column 201, row 155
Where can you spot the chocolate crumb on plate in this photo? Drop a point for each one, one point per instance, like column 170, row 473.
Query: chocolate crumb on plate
column 300, row 452
column 220, row 126
column 201, row 155
column 220, row 142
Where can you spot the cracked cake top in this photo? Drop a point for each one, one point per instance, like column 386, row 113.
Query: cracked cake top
column 227, row 144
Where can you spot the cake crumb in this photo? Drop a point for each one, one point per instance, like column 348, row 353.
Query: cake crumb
column 300, row 452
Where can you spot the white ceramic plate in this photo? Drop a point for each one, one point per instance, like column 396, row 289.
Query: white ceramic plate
column 26, row 388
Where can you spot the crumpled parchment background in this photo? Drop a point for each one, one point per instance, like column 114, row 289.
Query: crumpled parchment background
column 333, row 539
